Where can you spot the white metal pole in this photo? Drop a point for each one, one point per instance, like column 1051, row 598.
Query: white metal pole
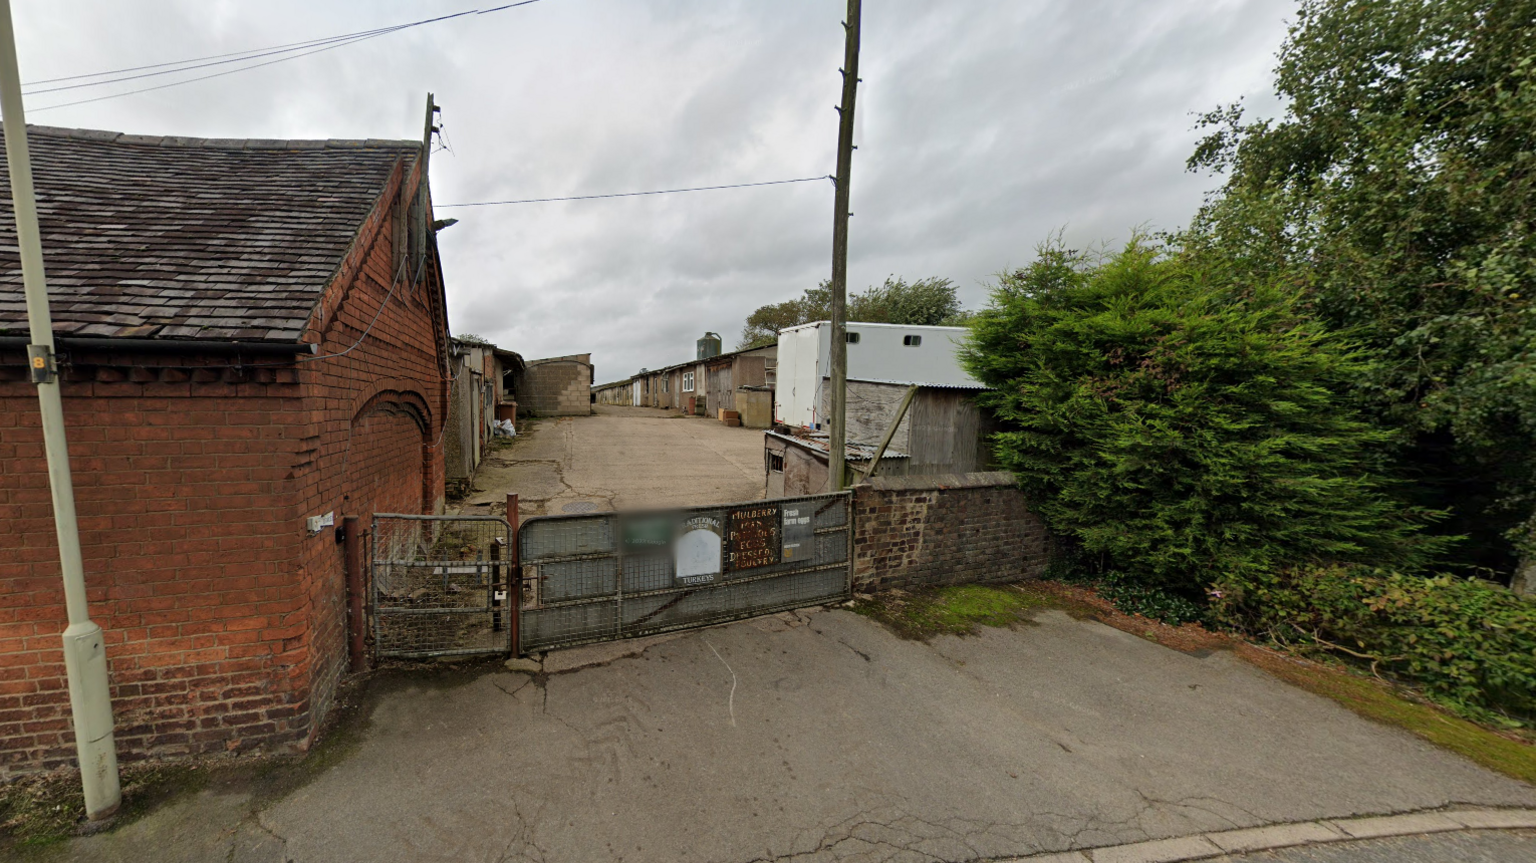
column 85, row 654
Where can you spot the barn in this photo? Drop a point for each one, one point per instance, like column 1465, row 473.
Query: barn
column 253, row 344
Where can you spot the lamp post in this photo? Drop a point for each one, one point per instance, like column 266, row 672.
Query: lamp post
column 85, row 652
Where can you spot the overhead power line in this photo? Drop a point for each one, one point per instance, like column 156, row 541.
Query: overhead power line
column 282, row 53
column 632, row 194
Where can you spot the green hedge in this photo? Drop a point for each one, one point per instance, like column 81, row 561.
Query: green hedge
column 1469, row 644
column 1182, row 429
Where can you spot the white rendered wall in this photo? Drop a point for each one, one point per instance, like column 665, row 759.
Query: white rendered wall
column 879, row 355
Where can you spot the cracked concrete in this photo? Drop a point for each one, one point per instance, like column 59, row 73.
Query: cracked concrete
column 621, row 457
column 849, row 744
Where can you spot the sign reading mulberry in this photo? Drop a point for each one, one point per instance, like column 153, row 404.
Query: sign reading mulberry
column 752, row 539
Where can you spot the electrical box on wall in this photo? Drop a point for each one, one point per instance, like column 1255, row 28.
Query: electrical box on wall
column 318, row 523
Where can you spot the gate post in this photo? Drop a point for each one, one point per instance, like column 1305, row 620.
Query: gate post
column 356, row 622
column 514, row 579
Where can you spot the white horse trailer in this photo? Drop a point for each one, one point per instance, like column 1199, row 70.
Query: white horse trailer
column 887, row 353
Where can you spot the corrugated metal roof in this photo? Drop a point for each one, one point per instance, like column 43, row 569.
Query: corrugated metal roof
column 925, row 386
column 853, row 450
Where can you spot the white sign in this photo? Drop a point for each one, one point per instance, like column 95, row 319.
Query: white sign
column 698, row 550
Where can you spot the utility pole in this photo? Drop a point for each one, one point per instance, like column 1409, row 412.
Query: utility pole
column 85, row 654
column 837, row 457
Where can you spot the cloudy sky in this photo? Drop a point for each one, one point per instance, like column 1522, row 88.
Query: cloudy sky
column 982, row 128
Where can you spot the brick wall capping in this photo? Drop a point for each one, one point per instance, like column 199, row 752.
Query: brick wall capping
column 922, row 482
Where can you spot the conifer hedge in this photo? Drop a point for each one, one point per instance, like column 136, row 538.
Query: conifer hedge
column 1182, row 431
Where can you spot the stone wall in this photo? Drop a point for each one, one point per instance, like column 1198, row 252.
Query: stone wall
column 914, row 531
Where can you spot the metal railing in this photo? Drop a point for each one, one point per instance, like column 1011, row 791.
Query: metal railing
column 439, row 585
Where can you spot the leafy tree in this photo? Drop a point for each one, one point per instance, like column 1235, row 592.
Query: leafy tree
column 1183, row 430
column 1396, row 191
column 925, row 302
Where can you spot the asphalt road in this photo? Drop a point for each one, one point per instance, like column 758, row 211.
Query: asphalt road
column 826, row 738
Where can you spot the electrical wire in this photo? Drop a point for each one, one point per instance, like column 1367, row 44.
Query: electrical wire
column 394, row 283
column 237, row 57
column 632, row 194
column 325, row 44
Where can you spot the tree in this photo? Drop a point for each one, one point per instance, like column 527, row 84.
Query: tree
column 925, row 302
column 1396, row 191
column 1186, row 430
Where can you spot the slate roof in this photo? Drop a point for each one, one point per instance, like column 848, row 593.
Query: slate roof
column 189, row 238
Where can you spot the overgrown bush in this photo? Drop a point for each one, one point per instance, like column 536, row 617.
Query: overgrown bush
column 1470, row 645
column 1181, row 430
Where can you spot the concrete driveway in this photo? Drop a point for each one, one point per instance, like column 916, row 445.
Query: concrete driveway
column 819, row 737
column 622, row 457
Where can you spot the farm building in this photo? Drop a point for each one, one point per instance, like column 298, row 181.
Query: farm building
column 740, row 382
column 942, row 431
column 252, row 344
column 555, row 386
column 479, row 396
column 894, row 353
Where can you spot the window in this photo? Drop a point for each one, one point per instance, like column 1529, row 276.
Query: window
column 775, row 463
column 666, row 384
column 770, row 372
column 853, row 338
column 912, row 341
column 687, row 382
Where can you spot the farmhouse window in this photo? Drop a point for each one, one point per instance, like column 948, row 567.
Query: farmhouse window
column 687, row 382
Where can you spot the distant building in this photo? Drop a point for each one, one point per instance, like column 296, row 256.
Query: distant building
column 555, row 386
column 893, row 353
column 480, row 395
column 943, row 430
column 740, row 382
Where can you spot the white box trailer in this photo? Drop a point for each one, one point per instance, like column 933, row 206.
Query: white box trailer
column 892, row 353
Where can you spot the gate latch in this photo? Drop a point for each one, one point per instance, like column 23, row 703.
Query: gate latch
column 40, row 363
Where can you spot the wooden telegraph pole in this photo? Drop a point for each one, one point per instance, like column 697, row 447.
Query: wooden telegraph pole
column 837, row 457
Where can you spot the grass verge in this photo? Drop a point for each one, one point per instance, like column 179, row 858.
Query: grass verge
column 960, row 610
column 1377, row 701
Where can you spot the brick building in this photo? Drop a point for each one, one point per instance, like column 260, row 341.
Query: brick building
column 251, row 333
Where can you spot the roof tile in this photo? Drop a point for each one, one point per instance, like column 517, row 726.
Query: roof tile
column 190, row 237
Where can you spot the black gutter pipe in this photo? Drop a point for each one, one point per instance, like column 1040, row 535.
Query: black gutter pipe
column 169, row 346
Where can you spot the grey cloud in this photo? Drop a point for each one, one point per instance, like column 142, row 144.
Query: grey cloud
column 984, row 127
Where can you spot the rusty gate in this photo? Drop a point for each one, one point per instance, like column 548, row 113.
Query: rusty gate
column 439, row 585
column 611, row 575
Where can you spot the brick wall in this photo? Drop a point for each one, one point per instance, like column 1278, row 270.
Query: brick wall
column 374, row 435
column 913, row 531
column 185, row 515
column 224, row 618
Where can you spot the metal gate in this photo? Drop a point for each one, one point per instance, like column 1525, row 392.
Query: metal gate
column 439, row 585
column 611, row 575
